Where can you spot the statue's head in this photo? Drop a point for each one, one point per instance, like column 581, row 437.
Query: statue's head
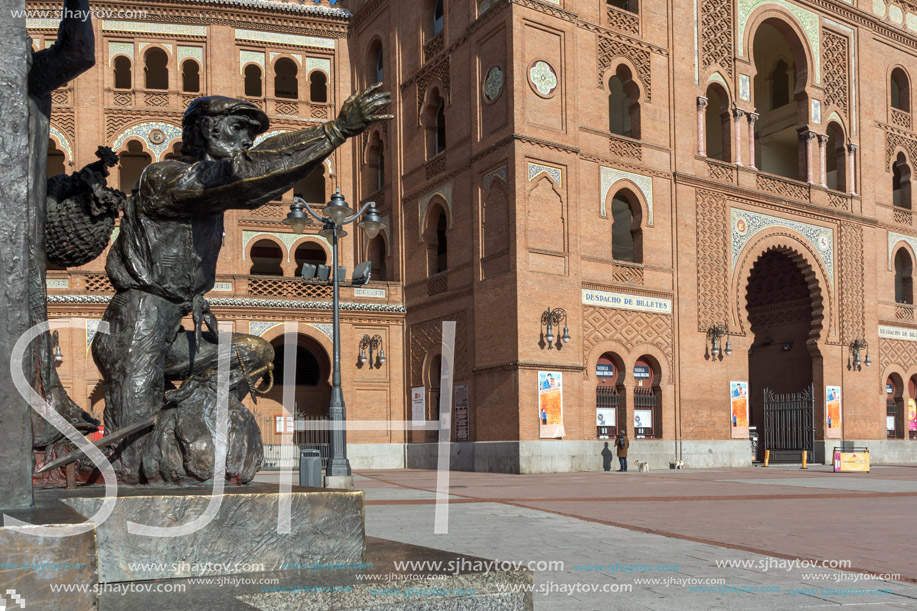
column 218, row 127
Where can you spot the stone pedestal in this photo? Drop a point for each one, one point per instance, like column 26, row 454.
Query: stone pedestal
column 242, row 538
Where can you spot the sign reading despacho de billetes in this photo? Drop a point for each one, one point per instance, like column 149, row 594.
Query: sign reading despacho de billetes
column 624, row 301
column 903, row 333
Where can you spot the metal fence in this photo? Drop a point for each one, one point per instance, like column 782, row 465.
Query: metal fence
column 279, row 456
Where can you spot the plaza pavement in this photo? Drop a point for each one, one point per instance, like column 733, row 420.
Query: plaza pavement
column 612, row 529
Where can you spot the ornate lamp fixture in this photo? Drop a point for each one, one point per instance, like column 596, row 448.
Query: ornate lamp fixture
column 373, row 344
column 551, row 318
column 854, row 362
column 714, row 335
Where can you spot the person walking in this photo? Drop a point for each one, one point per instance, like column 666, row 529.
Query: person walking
column 622, row 443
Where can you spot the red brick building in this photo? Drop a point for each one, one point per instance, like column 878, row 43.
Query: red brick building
column 716, row 193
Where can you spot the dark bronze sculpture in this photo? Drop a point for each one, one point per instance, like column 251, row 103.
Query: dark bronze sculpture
column 163, row 263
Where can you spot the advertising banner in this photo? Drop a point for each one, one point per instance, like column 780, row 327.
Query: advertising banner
column 833, row 412
column 851, row 461
column 738, row 408
column 462, row 401
column 418, row 405
column 550, row 405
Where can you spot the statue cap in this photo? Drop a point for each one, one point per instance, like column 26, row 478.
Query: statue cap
column 218, row 105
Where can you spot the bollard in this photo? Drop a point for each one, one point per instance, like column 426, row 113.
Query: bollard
column 805, row 456
column 767, row 457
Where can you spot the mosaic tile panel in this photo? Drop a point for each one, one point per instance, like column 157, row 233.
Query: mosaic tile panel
column 500, row 173
column 807, row 19
column 896, row 238
column 537, row 169
column 644, row 183
column 154, row 28
column 143, row 130
column 63, row 142
column 285, row 39
column 192, row 52
column 287, row 239
column 317, row 63
column 120, row 48
column 745, row 225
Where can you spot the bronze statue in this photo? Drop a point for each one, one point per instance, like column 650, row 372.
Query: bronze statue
column 162, row 264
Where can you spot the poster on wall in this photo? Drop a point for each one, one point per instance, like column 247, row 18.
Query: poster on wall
column 605, row 419
column 738, row 409
column 550, row 405
column 643, row 419
column 833, row 412
column 462, row 429
column 912, row 418
column 418, row 405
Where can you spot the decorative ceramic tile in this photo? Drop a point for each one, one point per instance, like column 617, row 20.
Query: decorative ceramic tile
column 287, row 239
column 92, row 327
column 327, row 329
column 120, row 48
column 192, row 52
column 250, row 57
column 285, row 39
column 269, row 134
column 158, row 137
column 57, row 283
column 745, row 88
column 745, row 225
column 894, row 239
column 816, row 112
column 808, row 19
column 835, row 117
column 445, row 192
column 318, row 63
column 610, row 176
column 543, row 78
column 537, row 169
column 895, row 14
column 910, row 20
column 716, row 77
column 42, row 24
column 259, row 328
column 493, row 84
column 63, row 142
column 483, row 7
column 154, row 28
column 878, row 7
column 494, row 174
column 222, row 287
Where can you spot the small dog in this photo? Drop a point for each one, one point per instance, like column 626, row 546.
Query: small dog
column 642, row 466
column 679, row 464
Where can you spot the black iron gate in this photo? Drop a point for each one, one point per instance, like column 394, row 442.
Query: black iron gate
column 789, row 423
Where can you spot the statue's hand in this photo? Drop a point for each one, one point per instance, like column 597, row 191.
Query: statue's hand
column 360, row 111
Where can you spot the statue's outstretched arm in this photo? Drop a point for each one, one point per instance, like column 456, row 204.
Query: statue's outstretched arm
column 252, row 178
column 72, row 54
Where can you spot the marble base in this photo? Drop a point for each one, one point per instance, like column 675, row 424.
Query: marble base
column 378, row 585
column 325, row 526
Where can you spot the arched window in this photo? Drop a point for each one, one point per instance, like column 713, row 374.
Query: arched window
column 311, row 253
column 716, row 124
column 174, row 151
column 56, row 159
column 190, row 76
column 780, row 100
column 318, row 87
column 836, row 159
column 266, row 258
column 904, row 282
column 437, row 241
column 308, row 370
column 124, row 77
column 434, row 120
column 626, row 234
column 377, row 257
column 312, row 187
column 286, row 83
column 438, row 17
column 157, row 69
column 375, row 159
column 900, row 90
column 901, row 182
column 380, row 65
column 253, row 81
column 623, row 104
column 133, row 161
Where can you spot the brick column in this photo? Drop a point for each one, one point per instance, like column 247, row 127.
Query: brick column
column 752, row 117
column 701, row 125
column 737, row 114
column 822, row 158
column 807, row 136
column 851, row 168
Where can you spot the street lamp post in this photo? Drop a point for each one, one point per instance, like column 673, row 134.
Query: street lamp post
column 335, row 215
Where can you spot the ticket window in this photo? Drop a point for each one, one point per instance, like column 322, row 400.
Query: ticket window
column 647, row 401
column 894, row 408
column 609, row 398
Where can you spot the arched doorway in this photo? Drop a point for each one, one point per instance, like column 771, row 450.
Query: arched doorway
column 313, row 374
column 894, row 407
column 647, row 399
column 781, row 363
column 610, row 396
